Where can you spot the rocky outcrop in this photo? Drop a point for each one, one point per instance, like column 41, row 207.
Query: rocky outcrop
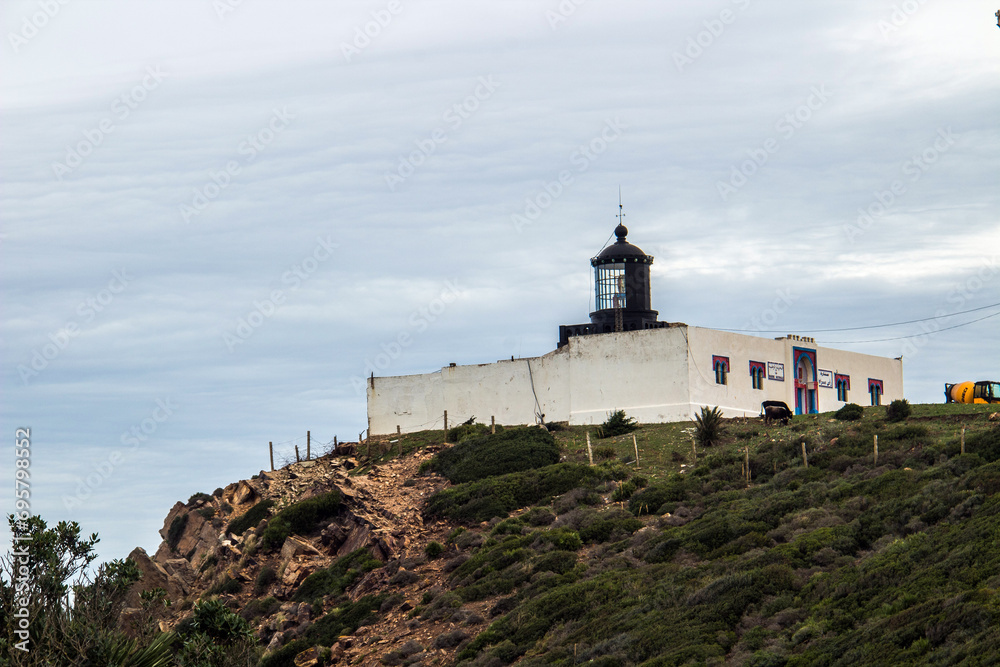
column 378, row 512
column 155, row 575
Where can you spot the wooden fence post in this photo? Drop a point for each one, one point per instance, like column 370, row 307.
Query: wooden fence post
column 493, row 425
column 334, row 444
column 297, row 459
column 747, row 465
column 963, row 440
column 590, row 452
column 694, row 452
column 636, row 445
column 445, row 424
column 308, row 445
column 805, row 459
column 270, row 449
column 876, row 449
column 399, row 431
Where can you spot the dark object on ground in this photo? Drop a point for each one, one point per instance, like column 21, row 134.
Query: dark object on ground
column 775, row 411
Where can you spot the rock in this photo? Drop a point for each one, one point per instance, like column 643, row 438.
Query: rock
column 333, row 535
column 276, row 641
column 153, row 576
column 306, row 464
column 308, row 658
column 244, row 493
column 295, row 573
column 834, row 441
column 182, row 569
column 994, row 416
column 304, row 615
column 294, row 546
column 358, row 537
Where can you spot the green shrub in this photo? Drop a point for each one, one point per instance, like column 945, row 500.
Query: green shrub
column 302, row 517
column 615, row 523
column 707, row 426
column 469, row 430
column 627, row 488
column 206, row 513
column 260, row 607
column 198, row 496
column 225, row 586
column 250, row 518
column 898, row 410
column 604, row 453
column 176, row 529
column 849, row 413
column 512, row 450
column 267, row 576
column 985, row 443
column 617, row 423
column 434, row 549
column 208, row 562
column 563, row 539
column 336, row 578
column 499, row 496
column 651, row 499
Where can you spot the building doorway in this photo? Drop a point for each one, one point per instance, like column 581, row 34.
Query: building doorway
column 805, row 382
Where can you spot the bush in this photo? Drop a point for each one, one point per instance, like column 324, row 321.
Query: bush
column 849, row 413
column 265, row 578
column 336, row 578
column 225, row 586
column 198, row 496
column 898, row 410
column 708, row 426
column 604, row 453
column 650, row 500
column 250, row 518
column 512, row 450
column 499, row 496
column 176, row 529
column 301, row 517
column 468, row 430
column 617, row 423
column 434, row 549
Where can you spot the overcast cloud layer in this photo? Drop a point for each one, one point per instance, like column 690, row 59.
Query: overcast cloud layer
column 217, row 215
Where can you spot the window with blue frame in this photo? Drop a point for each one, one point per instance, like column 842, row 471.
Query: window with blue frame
column 875, row 390
column 721, row 367
column 757, row 374
column 843, row 385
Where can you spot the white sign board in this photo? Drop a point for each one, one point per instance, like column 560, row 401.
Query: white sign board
column 825, row 378
column 775, row 371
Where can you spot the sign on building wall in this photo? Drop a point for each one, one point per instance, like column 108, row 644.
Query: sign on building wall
column 775, row 371
column 825, row 378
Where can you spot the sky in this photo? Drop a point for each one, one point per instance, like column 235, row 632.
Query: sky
column 218, row 216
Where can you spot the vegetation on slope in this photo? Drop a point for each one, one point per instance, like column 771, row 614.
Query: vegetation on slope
column 480, row 456
column 839, row 563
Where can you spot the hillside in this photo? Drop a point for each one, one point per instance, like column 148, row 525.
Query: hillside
column 534, row 556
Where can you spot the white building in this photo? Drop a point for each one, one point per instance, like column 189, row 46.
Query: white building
column 627, row 360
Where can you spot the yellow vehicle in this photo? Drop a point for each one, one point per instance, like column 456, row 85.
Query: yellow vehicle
column 984, row 391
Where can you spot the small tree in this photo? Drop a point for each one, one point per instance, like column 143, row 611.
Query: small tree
column 618, row 423
column 708, row 426
column 898, row 410
column 849, row 413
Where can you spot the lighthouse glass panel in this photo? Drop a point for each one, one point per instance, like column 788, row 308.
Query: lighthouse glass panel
column 610, row 283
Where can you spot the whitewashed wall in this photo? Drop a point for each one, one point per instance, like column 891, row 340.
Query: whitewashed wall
column 656, row 376
column 738, row 396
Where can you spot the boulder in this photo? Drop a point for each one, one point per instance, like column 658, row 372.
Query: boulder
column 308, row 658
column 295, row 546
column 244, row 493
column 154, row 576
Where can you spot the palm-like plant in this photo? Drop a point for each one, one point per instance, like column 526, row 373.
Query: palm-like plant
column 708, row 426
